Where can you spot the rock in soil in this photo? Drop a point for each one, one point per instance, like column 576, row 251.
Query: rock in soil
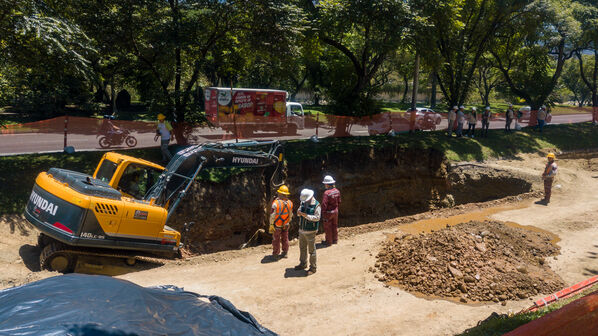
column 482, row 261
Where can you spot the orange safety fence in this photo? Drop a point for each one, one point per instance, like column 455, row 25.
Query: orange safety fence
column 579, row 317
column 91, row 133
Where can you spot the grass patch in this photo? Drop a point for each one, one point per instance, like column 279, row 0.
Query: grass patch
column 498, row 144
column 17, row 173
column 501, row 324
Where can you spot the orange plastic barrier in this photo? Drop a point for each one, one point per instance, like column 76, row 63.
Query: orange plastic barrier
column 92, row 133
column 567, row 292
column 579, row 317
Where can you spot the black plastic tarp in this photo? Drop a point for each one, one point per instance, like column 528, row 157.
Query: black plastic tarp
column 77, row 304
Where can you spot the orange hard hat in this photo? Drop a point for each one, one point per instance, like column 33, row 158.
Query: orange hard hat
column 551, row 156
column 161, row 116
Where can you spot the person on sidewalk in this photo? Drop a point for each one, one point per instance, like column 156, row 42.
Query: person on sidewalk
column 309, row 220
column 452, row 115
column 280, row 219
column 460, row 121
column 163, row 131
column 331, row 201
column 548, row 175
column 509, row 115
column 541, row 118
column 486, row 121
column 472, row 120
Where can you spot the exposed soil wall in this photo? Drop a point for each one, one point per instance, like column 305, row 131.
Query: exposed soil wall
column 479, row 183
column 376, row 184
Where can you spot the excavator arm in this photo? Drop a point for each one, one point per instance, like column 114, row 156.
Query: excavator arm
column 174, row 182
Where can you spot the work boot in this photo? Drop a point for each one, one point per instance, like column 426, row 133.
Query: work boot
column 300, row 267
column 311, row 272
column 284, row 255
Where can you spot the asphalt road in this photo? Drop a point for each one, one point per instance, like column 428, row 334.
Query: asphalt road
column 12, row 144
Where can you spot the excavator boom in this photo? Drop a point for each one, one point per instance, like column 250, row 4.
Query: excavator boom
column 184, row 167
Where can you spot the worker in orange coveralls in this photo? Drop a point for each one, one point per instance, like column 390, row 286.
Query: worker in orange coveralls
column 330, row 203
column 280, row 219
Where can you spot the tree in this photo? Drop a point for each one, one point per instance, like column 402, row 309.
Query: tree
column 461, row 33
column 586, row 13
column 45, row 58
column 164, row 48
column 531, row 51
column 487, row 78
column 572, row 80
column 364, row 33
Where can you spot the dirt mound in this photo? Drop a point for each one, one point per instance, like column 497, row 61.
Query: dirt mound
column 475, row 261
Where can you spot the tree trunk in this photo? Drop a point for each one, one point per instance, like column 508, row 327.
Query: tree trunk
column 487, row 98
column 433, row 96
column 113, row 96
column 406, row 89
column 179, row 109
column 415, row 82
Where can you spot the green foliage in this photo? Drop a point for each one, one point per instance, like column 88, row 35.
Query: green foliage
column 55, row 53
column 458, row 35
column 360, row 36
column 44, row 60
column 532, row 50
column 571, row 78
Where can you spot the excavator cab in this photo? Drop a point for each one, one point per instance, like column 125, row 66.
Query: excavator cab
column 131, row 176
column 126, row 204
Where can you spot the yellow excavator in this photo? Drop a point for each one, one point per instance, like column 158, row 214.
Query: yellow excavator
column 123, row 208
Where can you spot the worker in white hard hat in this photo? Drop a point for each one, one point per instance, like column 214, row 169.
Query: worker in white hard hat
column 472, row 120
column 280, row 220
column 548, row 176
column 460, row 120
column 309, row 220
column 452, row 116
column 509, row 116
column 486, row 121
column 331, row 201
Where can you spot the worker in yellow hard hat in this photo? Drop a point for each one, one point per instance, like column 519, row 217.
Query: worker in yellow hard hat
column 548, row 175
column 163, row 131
column 280, row 220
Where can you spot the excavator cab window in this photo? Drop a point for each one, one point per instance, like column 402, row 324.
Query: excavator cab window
column 137, row 179
column 106, row 171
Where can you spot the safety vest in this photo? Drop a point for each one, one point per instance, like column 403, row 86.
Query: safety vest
column 282, row 209
column 304, row 223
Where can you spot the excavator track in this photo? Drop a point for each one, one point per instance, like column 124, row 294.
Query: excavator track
column 56, row 256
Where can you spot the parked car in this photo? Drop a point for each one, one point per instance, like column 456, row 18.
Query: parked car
column 382, row 123
column 426, row 119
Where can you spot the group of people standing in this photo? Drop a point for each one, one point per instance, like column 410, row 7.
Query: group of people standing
column 459, row 116
column 310, row 213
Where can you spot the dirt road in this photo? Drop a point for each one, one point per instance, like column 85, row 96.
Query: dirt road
column 344, row 297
